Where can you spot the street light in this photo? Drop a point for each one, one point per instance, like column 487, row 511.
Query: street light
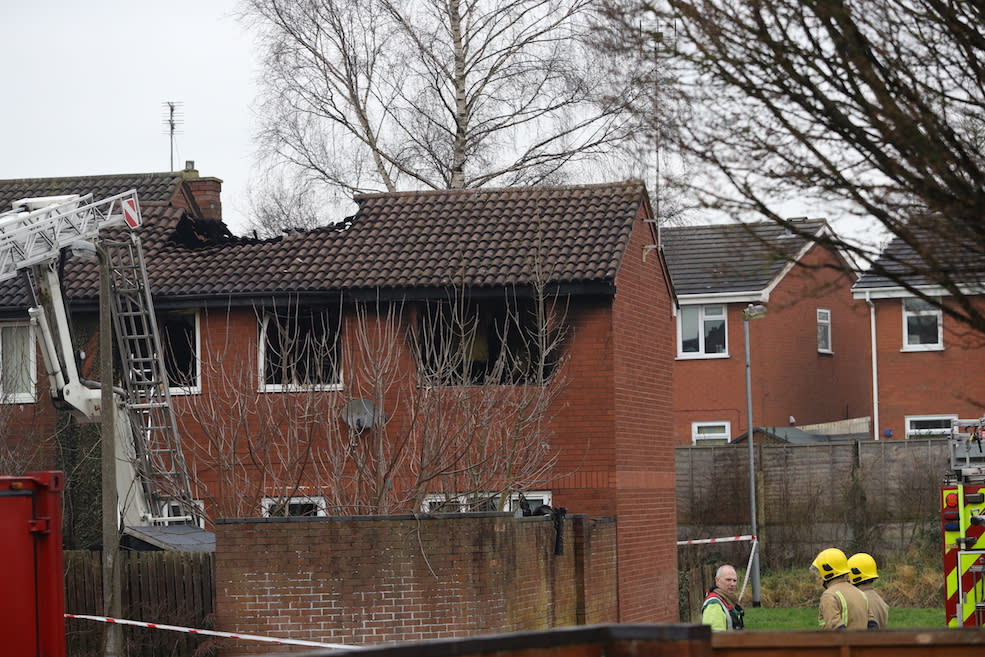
column 752, row 312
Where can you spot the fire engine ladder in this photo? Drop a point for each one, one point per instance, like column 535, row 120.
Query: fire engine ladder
column 162, row 464
column 32, row 234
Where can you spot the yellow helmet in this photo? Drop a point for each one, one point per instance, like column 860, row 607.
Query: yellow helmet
column 863, row 567
column 830, row 563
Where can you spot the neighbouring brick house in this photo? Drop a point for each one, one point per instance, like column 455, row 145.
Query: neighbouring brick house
column 927, row 365
column 808, row 355
column 264, row 336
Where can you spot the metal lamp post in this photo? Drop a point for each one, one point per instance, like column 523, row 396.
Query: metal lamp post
column 752, row 312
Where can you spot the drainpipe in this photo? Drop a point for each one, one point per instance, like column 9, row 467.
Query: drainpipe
column 875, row 367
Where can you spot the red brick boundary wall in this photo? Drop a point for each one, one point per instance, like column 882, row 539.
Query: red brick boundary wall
column 377, row 579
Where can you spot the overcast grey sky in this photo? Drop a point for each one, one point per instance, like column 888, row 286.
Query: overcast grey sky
column 84, row 84
column 84, row 87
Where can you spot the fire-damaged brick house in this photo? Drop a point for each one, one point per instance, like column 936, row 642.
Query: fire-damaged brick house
column 488, row 349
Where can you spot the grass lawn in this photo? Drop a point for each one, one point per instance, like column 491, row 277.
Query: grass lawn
column 798, row 618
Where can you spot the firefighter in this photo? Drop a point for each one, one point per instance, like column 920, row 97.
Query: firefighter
column 863, row 575
column 720, row 608
column 842, row 606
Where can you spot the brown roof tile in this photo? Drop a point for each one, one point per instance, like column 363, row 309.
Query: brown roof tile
column 151, row 187
column 485, row 238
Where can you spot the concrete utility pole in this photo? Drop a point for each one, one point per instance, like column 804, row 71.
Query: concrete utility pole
column 112, row 588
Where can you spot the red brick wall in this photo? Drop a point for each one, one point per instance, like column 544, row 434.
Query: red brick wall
column 643, row 480
column 943, row 382
column 370, row 580
column 27, row 430
column 789, row 376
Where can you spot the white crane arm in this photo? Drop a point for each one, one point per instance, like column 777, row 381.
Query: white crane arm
column 36, row 229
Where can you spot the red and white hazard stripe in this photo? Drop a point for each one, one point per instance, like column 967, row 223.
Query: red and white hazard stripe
column 726, row 539
column 228, row 635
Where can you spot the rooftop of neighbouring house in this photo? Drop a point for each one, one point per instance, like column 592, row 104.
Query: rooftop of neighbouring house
column 735, row 257
column 922, row 256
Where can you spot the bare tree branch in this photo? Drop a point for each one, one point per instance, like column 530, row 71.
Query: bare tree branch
column 872, row 108
column 387, row 94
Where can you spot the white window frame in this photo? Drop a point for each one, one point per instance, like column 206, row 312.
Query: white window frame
column 317, row 500
column 943, row 432
column 264, row 320
column 196, row 387
column 173, row 509
column 933, row 311
column 539, row 497
column 29, row 396
column 698, row 437
column 824, row 331
column 703, row 316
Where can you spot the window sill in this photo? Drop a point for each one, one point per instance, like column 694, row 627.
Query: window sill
column 184, row 391
column 324, row 387
column 13, row 400
column 702, row 356
column 920, row 348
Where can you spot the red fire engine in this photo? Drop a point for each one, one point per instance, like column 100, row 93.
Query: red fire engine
column 962, row 504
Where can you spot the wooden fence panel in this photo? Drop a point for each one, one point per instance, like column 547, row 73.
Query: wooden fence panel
column 879, row 494
column 173, row 588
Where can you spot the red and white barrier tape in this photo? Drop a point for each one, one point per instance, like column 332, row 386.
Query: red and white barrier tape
column 726, row 539
column 228, row 635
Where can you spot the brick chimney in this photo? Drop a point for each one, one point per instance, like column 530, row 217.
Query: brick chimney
column 205, row 192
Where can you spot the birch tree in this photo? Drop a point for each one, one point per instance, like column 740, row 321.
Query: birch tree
column 385, row 95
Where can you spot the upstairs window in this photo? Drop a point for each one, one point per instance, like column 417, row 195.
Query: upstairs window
column 701, row 331
column 299, row 349
column 496, row 342
column 180, row 343
column 18, row 369
column 824, row 330
column 921, row 325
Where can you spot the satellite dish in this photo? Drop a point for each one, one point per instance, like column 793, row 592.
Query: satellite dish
column 361, row 414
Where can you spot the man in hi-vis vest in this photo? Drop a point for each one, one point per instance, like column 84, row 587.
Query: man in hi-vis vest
column 720, row 608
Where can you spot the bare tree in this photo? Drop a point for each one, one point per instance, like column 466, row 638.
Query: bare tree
column 23, row 446
column 870, row 107
column 439, row 427
column 283, row 202
column 389, row 94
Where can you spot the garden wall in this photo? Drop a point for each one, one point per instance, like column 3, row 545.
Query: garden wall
column 377, row 579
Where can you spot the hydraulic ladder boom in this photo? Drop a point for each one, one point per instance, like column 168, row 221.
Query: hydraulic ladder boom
column 32, row 237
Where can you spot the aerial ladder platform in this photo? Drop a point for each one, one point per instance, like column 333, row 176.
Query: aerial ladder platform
column 152, row 477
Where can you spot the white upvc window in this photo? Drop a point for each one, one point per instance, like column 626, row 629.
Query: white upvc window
column 702, row 332
column 922, row 323
column 18, row 366
column 181, row 343
column 824, row 330
column 461, row 503
column 711, row 433
column 173, row 509
column 299, row 350
column 296, row 506
column 929, row 426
